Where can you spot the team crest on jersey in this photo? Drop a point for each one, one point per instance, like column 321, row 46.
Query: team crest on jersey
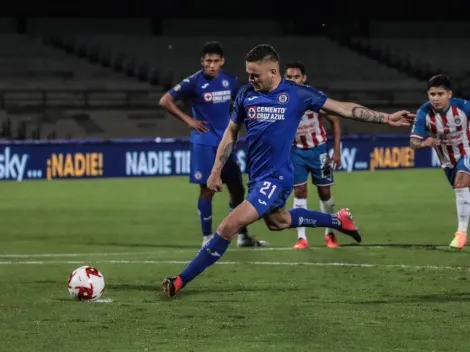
column 225, row 83
column 282, row 98
column 207, row 96
column 252, row 112
column 177, row 87
column 458, row 121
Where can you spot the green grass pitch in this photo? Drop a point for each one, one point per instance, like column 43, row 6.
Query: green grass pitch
column 402, row 289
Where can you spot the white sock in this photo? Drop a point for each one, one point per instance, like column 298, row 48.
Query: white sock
column 300, row 203
column 329, row 208
column 462, row 196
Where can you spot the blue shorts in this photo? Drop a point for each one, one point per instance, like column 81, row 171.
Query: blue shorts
column 268, row 195
column 313, row 161
column 202, row 160
column 463, row 165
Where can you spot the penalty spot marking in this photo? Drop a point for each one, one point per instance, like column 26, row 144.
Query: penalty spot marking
column 267, row 263
column 103, row 300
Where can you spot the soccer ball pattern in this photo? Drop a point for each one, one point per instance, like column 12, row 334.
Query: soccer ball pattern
column 86, row 284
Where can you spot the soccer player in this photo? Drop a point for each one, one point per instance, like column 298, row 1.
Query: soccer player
column 271, row 108
column 442, row 123
column 210, row 92
column 310, row 156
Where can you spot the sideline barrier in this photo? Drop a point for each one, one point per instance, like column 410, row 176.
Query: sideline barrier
column 77, row 159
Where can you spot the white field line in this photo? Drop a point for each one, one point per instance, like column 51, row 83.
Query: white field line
column 187, row 250
column 267, row 263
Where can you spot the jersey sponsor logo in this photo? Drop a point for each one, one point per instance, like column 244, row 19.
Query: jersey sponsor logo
column 207, row 97
column 216, row 97
column 283, row 98
column 252, row 112
column 266, row 113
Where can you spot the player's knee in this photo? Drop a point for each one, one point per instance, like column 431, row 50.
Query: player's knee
column 300, row 191
column 324, row 193
column 206, row 193
column 227, row 229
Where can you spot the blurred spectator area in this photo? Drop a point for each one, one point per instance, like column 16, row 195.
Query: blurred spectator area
column 92, row 79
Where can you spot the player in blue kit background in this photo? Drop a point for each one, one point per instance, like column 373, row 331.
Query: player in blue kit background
column 210, row 91
column 271, row 108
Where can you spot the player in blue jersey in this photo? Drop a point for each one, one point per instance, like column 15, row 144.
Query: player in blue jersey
column 210, row 92
column 271, row 108
column 443, row 123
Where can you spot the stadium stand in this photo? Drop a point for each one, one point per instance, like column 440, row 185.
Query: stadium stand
column 421, row 52
column 44, row 91
column 108, row 85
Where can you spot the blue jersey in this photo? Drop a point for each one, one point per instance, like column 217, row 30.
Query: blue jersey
column 271, row 120
column 210, row 101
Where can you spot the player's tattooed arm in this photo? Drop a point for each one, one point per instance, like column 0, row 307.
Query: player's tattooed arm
column 226, row 146
column 224, row 152
column 360, row 113
column 363, row 114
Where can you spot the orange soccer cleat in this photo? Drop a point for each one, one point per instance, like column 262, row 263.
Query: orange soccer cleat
column 331, row 241
column 171, row 285
column 301, row 243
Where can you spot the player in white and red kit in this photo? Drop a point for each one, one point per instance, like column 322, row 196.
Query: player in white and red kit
column 310, row 156
column 443, row 123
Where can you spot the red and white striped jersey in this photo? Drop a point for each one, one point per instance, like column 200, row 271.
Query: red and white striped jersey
column 310, row 132
column 451, row 129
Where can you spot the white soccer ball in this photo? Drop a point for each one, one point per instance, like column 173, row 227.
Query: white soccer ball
column 86, row 283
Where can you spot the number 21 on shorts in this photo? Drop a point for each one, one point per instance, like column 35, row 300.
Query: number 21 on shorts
column 268, row 189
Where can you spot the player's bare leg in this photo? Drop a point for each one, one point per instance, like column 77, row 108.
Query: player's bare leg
column 243, row 215
column 237, row 196
column 205, row 212
column 327, row 205
column 300, row 201
column 462, row 195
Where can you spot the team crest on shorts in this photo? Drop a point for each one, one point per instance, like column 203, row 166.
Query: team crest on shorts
column 225, row 83
column 197, row 175
column 283, row 98
column 252, row 112
column 458, row 121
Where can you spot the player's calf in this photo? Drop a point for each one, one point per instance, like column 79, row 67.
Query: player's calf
column 278, row 220
column 341, row 221
column 213, row 250
column 462, row 198
column 204, row 207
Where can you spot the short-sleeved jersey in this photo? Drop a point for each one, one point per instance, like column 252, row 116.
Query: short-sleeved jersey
column 310, row 132
column 271, row 120
column 210, row 100
column 450, row 128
